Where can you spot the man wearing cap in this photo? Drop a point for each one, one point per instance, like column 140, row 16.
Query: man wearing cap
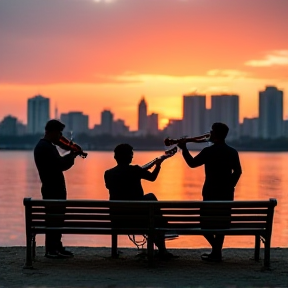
column 50, row 165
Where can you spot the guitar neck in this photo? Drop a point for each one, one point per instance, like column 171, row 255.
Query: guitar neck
column 151, row 163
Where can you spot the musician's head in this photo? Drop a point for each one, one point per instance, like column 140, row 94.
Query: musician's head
column 218, row 132
column 123, row 154
column 53, row 130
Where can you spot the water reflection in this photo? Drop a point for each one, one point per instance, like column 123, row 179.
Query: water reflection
column 264, row 177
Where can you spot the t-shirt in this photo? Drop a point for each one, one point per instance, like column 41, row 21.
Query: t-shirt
column 124, row 182
column 222, row 170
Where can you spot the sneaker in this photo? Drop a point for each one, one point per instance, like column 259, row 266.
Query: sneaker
column 66, row 253
column 211, row 257
column 53, row 255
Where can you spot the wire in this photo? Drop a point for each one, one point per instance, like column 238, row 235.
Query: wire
column 138, row 244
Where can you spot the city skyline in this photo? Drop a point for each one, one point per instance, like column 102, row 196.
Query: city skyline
column 116, row 51
column 55, row 113
column 196, row 118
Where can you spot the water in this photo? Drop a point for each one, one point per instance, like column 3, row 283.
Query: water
column 264, row 176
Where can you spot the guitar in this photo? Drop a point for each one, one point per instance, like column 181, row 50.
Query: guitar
column 167, row 154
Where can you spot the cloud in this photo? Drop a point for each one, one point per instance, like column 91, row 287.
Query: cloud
column 230, row 73
column 277, row 57
column 212, row 76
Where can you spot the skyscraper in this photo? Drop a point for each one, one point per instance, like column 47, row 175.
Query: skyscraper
column 38, row 114
column 75, row 122
column 225, row 109
column 142, row 117
column 194, row 111
column 106, row 122
column 152, row 124
column 271, row 113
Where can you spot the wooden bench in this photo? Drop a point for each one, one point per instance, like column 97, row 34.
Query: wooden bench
column 253, row 218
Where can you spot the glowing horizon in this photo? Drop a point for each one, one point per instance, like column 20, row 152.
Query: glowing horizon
column 94, row 55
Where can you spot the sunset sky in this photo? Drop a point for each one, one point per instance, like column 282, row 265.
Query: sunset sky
column 90, row 55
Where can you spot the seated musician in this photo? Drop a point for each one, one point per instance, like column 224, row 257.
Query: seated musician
column 124, row 183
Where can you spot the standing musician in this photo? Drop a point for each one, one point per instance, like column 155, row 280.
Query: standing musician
column 124, row 183
column 50, row 167
column 222, row 170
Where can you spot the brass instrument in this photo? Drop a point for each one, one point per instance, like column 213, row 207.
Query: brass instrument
column 198, row 139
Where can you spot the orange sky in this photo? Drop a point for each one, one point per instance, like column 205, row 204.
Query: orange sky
column 90, row 55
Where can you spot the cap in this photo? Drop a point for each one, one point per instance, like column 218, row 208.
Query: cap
column 54, row 125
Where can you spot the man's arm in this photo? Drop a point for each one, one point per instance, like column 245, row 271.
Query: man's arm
column 151, row 176
column 237, row 170
column 192, row 162
column 67, row 161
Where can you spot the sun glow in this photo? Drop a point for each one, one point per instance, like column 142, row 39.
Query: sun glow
column 104, row 1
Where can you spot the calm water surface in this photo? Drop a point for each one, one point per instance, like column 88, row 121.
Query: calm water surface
column 264, row 176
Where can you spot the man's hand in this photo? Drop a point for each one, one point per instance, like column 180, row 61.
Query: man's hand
column 74, row 153
column 182, row 144
column 158, row 162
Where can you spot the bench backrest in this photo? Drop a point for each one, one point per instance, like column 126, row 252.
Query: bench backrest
column 179, row 214
column 239, row 214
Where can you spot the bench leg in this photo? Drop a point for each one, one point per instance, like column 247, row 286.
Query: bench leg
column 267, row 244
column 114, row 252
column 150, row 248
column 257, row 248
column 33, row 246
column 28, row 263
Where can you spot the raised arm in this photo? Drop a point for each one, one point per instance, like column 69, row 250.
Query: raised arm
column 191, row 161
column 151, row 176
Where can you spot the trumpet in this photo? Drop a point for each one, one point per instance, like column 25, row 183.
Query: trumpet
column 198, row 139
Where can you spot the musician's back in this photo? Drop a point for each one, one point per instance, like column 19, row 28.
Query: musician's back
column 124, row 182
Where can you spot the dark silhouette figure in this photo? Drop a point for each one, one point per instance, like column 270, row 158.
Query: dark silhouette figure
column 222, row 171
column 124, row 183
column 50, row 165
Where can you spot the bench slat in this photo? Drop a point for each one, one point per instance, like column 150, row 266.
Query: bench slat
column 197, row 211
column 214, row 218
column 89, row 230
column 89, row 217
column 75, row 210
column 180, row 225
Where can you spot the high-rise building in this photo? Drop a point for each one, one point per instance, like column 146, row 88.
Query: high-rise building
column 225, row 109
column 75, row 123
column 142, row 117
column 173, row 128
column 250, row 127
column 152, row 124
column 106, row 122
column 119, row 128
column 285, row 128
column 271, row 113
column 38, row 114
column 194, row 112
column 8, row 126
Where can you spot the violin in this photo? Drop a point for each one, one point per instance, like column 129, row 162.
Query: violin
column 69, row 145
column 167, row 154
